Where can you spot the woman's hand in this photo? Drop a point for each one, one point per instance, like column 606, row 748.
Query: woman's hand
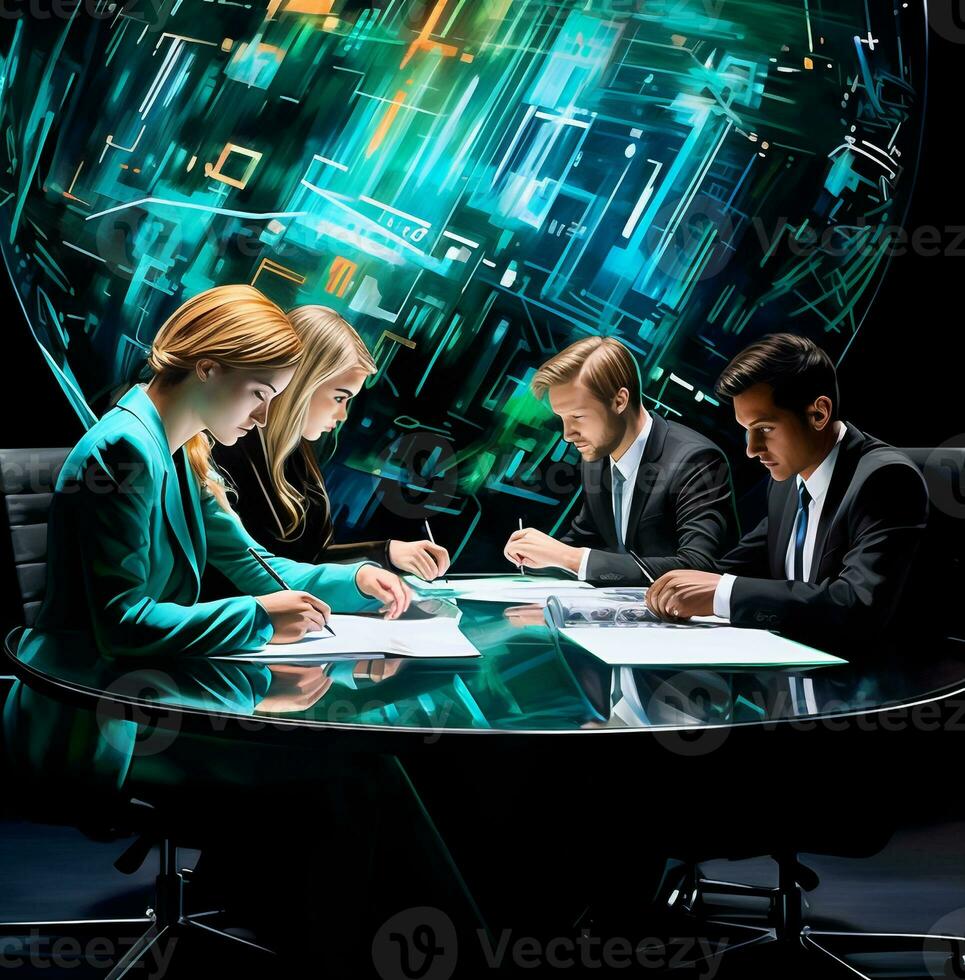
column 422, row 558
column 388, row 588
column 376, row 670
column 293, row 614
column 294, row 688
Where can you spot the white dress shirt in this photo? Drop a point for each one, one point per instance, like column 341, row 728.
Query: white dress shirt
column 626, row 708
column 817, row 486
column 628, row 464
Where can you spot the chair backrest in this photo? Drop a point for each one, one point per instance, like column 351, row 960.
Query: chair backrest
column 941, row 567
column 27, row 481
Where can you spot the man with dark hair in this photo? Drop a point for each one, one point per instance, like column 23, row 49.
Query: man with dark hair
column 652, row 487
column 846, row 513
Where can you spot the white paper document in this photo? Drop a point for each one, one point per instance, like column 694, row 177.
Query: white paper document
column 694, row 646
column 517, row 589
column 364, row 636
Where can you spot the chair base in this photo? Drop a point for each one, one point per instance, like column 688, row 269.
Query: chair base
column 166, row 922
column 756, row 952
column 784, row 945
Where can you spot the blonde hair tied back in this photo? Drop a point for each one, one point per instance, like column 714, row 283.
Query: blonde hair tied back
column 235, row 325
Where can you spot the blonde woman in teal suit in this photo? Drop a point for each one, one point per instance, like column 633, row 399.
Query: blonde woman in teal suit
column 139, row 511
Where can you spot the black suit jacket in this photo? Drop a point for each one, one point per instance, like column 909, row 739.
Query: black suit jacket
column 682, row 512
column 872, row 525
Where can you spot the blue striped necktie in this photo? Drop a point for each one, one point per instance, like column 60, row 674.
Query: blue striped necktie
column 800, row 535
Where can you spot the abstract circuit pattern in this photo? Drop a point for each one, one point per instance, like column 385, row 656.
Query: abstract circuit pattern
column 473, row 184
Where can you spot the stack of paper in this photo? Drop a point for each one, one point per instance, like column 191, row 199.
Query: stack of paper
column 516, row 589
column 363, row 637
column 703, row 645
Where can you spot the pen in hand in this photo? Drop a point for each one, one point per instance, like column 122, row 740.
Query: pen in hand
column 261, row 561
column 522, row 570
column 445, row 578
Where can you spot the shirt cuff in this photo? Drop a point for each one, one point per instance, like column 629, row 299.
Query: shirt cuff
column 584, row 561
column 358, row 566
column 264, row 629
column 722, row 596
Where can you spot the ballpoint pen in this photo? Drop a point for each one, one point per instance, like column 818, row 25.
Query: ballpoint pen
column 522, row 571
column 643, row 568
column 261, row 561
column 445, row 578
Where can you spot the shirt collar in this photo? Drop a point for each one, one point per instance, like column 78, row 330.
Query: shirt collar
column 630, row 460
column 819, row 481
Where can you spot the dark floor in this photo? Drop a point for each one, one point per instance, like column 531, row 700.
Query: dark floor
column 916, row 885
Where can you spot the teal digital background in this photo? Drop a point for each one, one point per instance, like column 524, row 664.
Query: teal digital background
column 474, row 185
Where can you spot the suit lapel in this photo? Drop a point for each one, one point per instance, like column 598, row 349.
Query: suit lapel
column 199, row 551
column 600, row 498
column 844, row 467
column 780, row 544
column 647, row 473
column 174, row 513
column 137, row 402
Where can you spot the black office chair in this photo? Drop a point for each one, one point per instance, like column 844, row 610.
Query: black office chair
column 943, row 553
column 27, row 480
column 724, row 905
column 27, row 477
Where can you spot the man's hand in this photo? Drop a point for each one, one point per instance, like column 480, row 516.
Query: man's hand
column 388, row 588
column 529, row 615
column 534, row 549
column 682, row 594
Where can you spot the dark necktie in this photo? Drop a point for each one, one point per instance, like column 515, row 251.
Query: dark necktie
column 801, row 532
column 618, row 488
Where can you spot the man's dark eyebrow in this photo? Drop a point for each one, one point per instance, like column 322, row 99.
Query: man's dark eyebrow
column 763, row 418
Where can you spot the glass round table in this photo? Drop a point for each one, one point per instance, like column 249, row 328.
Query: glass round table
column 482, row 754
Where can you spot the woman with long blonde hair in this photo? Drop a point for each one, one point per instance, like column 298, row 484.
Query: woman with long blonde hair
column 139, row 509
column 281, row 494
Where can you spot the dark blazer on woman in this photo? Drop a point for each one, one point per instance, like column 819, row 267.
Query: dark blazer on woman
column 245, row 467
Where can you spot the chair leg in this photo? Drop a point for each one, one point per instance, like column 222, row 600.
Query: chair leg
column 53, row 925
column 133, row 958
column 192, row 923
column 203, row 915
column 747, row 936
column 811, row 944
column 891, row 941
column 887, row 942
column 754, row 936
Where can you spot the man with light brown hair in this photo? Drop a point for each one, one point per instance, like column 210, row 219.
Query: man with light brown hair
column 651, row 487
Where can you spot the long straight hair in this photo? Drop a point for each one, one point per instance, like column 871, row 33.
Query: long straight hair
column 234, row 325
column 331, row 346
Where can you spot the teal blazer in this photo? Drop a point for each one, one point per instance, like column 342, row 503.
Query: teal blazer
column 125, row 552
